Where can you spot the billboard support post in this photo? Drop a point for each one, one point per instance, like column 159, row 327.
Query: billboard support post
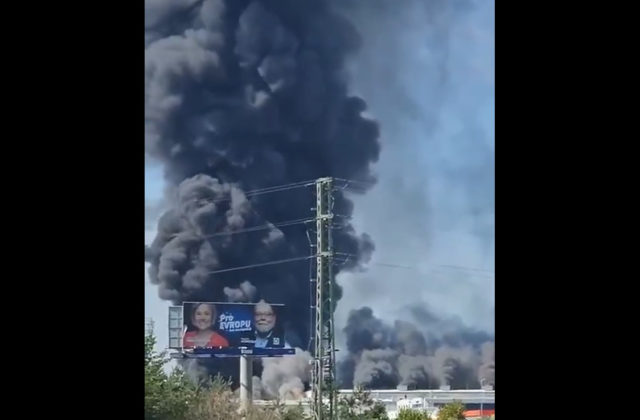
column 246, row 381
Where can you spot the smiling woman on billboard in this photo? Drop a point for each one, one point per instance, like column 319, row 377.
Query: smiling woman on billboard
column 203, row 319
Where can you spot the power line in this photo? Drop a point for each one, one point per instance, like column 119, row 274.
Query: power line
column 348, row 256
column 261, row 227
column 467, row 268
column 300, row 183
column 244, row 267
column 281, row 188
column 417, row 269
column 346, row 216
column 354, row 181
column 254, row 228
column 260, row 191
column 406, row 267
column 432, row 272
column 352, row 185
column 268, row 190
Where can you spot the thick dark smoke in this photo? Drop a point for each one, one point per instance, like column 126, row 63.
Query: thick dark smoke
column 377, row 369
column 246, row 94
column 450, row 331
column 434, row 353
column 242, row 95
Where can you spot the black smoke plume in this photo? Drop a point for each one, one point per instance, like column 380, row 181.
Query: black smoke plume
column 435, row 352
column 242, row 95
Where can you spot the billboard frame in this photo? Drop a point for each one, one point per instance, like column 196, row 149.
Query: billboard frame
column 227, row 352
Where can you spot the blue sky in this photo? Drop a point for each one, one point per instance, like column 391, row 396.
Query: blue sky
column 153, row 182
column 154, row 307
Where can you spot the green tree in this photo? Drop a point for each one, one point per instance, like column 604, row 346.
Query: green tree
column 360, row 406
column 291, row 413
column 284, row 412
column 408, row 414
column 452, row 411
column 166, row 397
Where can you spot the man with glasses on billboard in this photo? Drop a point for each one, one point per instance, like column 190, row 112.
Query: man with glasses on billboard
column 265, row 331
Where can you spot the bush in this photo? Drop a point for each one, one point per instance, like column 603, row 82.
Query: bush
column 408, row 414
column 360, row 406
column 452, row 411
column 283, row 412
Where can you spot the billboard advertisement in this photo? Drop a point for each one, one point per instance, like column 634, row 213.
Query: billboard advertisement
column 225, row 327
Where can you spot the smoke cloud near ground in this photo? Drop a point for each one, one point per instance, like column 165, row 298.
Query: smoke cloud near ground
column 284, row 378
column 422, row 355
column 487, row 369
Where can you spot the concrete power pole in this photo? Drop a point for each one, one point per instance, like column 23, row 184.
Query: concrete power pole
column 323, row 373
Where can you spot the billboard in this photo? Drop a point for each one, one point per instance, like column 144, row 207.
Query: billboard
column 224, row 327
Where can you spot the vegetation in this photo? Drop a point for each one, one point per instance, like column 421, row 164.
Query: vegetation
column 408, row 414
column 360, row 406
column 172, row 396
column 166, row 397
column 453, row 411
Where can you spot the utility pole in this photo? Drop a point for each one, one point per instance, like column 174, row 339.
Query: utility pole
column 323, row 373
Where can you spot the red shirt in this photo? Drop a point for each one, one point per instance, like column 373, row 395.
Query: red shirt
column 216, row 340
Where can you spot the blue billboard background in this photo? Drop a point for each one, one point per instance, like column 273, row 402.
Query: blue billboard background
column 232, row 329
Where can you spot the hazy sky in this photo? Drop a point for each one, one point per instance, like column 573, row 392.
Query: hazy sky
column 154, row 307
column 431, row 87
